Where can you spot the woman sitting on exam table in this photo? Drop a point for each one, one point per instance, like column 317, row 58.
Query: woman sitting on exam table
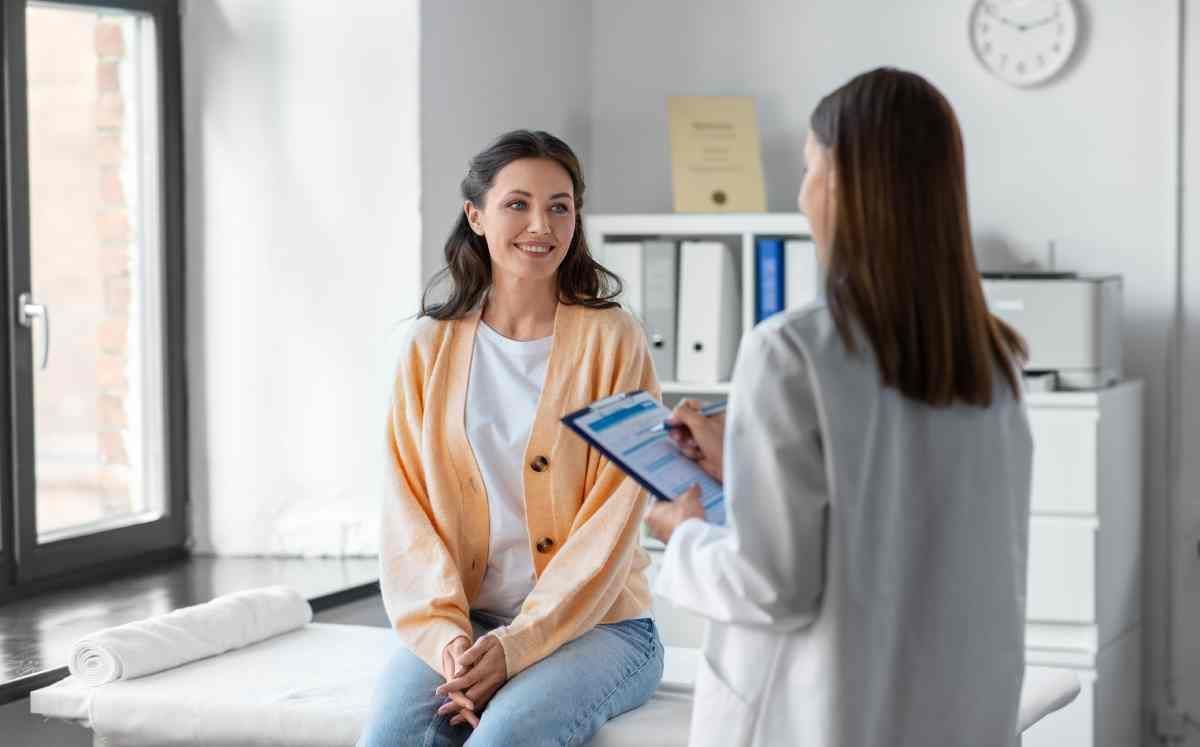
column 509, row 561
column 869, row 588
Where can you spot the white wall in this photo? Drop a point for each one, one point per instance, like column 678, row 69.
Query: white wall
column 490, row 67
column 1087, row 161
column 301, row 138
column 316, row 151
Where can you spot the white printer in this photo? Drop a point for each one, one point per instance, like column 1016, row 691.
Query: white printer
column 1072, row 323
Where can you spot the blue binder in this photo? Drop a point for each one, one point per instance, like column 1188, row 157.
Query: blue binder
column 768, row 276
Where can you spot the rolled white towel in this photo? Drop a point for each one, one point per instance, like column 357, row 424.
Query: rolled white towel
column 157, row 643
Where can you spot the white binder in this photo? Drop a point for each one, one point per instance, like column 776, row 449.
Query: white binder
column 802, row 274
column 649, row 272
column 660, row 275
column 710, row 307
column 624, row 258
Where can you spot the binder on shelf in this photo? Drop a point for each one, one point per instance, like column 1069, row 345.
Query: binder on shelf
column 624, row 258
column 709, row 312
column 802, row 273
column 768, row 277
column 660, row 275
column 649, row 274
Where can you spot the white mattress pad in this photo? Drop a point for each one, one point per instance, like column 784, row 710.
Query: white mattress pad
column 313, row 686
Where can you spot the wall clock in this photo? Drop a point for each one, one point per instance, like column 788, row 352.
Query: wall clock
column 1024, row 42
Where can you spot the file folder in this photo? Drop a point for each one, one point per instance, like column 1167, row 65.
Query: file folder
column 624, row 258
column 709, row 312
column 660, row 275
column 802, row 272
column 768, row 277
column 649, row 272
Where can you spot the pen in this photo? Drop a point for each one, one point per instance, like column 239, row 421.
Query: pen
column 716, row 408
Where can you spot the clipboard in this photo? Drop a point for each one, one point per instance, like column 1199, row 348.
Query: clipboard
column 619, row 428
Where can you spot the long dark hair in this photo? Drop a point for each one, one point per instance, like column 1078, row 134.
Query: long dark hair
column 901, row 261
column 468, row 271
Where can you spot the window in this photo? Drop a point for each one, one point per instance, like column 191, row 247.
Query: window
column 93, row 235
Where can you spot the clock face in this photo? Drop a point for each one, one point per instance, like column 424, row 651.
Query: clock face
column 1024, row 42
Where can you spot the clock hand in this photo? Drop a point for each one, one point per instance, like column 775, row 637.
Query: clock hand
column 1042, row 22
column 991, row 11
column 1022, row 27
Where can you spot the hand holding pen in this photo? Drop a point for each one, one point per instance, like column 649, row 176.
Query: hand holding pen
column 670, row 424
column 699, row 432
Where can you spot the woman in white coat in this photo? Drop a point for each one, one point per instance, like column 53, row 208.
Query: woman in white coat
column 869, row 588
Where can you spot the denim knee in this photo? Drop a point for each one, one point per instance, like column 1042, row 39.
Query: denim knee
column 404, row 708
column 503, row 726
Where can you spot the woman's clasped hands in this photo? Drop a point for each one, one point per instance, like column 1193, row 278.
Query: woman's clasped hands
column 473, row 675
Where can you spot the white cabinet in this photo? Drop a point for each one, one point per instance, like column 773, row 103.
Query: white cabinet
column 1085, row 560
column 1066, row 483
column 1061, row 586
column 1083, row 606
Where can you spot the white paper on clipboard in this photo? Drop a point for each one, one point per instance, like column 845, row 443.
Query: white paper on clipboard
column 619, row 427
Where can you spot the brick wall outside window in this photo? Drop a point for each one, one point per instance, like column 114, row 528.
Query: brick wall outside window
column 83, row 246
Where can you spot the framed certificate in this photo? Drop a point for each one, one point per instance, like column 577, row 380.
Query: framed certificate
column 716, row 156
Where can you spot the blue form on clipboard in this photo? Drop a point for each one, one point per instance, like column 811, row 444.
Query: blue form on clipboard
column 620, row 427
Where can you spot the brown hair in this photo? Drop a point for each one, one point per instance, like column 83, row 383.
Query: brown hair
column 581, row 279
column 901, row 261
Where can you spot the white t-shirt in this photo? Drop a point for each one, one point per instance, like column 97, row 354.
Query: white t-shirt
column 502, row 394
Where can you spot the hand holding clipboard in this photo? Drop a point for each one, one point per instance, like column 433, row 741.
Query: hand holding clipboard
column 627, row 429
column 699, row 432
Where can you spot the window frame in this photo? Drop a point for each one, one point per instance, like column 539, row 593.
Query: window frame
column 26, row 565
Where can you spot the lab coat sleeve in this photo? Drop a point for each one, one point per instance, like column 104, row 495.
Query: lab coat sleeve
column 766, row 568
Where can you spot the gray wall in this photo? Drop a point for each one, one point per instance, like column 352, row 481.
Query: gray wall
column 489, row 67
column 1087, row 161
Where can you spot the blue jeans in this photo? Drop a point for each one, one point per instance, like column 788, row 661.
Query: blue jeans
column 563, row 699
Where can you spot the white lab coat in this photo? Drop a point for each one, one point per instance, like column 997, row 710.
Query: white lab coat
column 869, row 590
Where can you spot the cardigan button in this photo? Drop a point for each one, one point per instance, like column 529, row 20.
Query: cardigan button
column 545, row 545
column 539, row 464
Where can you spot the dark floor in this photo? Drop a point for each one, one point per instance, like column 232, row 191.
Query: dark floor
column 37, row 634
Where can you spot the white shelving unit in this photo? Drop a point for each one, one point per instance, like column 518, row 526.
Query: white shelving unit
column 743, row 228
column 677, row 387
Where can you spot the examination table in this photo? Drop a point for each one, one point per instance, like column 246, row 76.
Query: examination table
column 312, row 686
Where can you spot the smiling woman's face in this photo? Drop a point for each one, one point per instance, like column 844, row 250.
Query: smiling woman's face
column 528, row 219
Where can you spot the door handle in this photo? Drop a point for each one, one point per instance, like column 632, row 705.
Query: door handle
column 27, row 311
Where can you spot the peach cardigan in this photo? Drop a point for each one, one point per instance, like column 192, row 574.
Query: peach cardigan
column 582, row 512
